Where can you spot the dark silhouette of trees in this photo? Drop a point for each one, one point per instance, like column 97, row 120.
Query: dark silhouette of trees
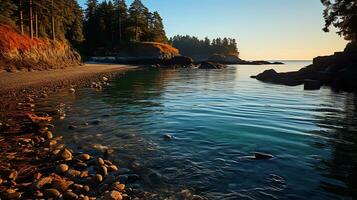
column 341, row 14
column 192, row 46
column 110, row 24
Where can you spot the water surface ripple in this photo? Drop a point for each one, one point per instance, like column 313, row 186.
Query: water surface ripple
column 217, row 118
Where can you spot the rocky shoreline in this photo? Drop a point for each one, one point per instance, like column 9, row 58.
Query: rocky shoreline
column 36, row 165
column 337, row 71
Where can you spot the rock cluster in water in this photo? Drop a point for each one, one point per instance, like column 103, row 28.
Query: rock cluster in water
column 337, row 71
column 35, row 164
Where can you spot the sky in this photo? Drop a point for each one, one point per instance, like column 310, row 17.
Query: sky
column 264, row 29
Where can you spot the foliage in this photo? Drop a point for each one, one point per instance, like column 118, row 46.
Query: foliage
column 111, row 24
column 341, row 14
column 7, row 9
column 192, row 46
column 35, row 16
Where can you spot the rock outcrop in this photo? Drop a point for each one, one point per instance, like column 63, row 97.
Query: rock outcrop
column 225, row 59
column 211, row 65
column 146, row 53
column 234, row 59
column 20, row 52
column 339, row 71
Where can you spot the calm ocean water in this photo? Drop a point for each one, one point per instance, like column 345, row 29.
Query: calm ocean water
column 218, row 117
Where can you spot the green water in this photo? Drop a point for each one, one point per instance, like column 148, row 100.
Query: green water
column 218, row 118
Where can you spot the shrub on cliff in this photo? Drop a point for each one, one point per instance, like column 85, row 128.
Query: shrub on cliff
column 20, row 52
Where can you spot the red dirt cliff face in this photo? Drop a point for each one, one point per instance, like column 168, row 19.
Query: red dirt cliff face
column 20, row 52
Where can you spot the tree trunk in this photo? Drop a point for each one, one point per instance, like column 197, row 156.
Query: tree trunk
column 31, row 19
column 53, row 21
column 120, row 31
column 36, row 23
column 21, row 17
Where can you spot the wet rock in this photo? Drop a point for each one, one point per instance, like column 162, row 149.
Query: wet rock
column 123, row 171
column 37, row 176
column 49, row 135
column 66, row 154
column 168, row 137
column 112, row 168
column 13, row 175
column 73, row 173
column 42, row 182
column 61, row 184
column 211, row 65
column 100, row 161
column 62, row 116
column 103, row 170
column 105, row 79
column 70, row 195
column 312, row 84
column 51, row 193
column 262, row 156
column 72, row 90
column 83, row 157
column 86, row 189
column 72, row 127
column 62, row 168
column 113, row 195
column 120, row 187
column 12, row 194
column 84, row 174
column 98, row 178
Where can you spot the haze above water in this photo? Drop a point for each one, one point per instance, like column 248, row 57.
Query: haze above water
column 218, row 117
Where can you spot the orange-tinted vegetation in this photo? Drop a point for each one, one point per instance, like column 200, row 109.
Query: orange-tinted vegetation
column 165, row 48
column 11, row 40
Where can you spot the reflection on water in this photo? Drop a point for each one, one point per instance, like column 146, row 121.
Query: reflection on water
column 217, row 118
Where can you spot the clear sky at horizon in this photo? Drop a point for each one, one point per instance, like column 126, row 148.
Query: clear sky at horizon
column 265, row 29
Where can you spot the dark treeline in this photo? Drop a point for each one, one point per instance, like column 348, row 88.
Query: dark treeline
column 61, row 20
column 111, row 23
column 192, row 46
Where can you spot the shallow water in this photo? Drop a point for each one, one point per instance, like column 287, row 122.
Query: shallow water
column 217, row 118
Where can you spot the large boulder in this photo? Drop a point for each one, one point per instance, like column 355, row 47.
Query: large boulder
column 312, row 84
column 225, row 59
column 211, row 65
column 337, row 71
column 180, row 60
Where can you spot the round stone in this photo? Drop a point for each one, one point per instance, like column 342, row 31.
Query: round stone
column 51, row 193
column 83, row 157
column 113, row 168
column 66, row 154
column 98, row 178
column 62, row 168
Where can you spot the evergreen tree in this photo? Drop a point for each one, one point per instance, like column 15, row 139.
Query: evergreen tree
column 7, row 9
column 138, row 23
column 192, row 46
column 341, row 14
column 121, row 17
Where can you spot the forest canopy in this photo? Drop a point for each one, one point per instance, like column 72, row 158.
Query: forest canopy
column 110, row 24
column 193, row 47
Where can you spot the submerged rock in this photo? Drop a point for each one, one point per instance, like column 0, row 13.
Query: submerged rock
column 211, row 65
column 262, row 156
column 72, row 90
column 168, row 137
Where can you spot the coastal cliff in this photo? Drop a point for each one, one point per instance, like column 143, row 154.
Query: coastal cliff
column 20, row 52
column 337, row 71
